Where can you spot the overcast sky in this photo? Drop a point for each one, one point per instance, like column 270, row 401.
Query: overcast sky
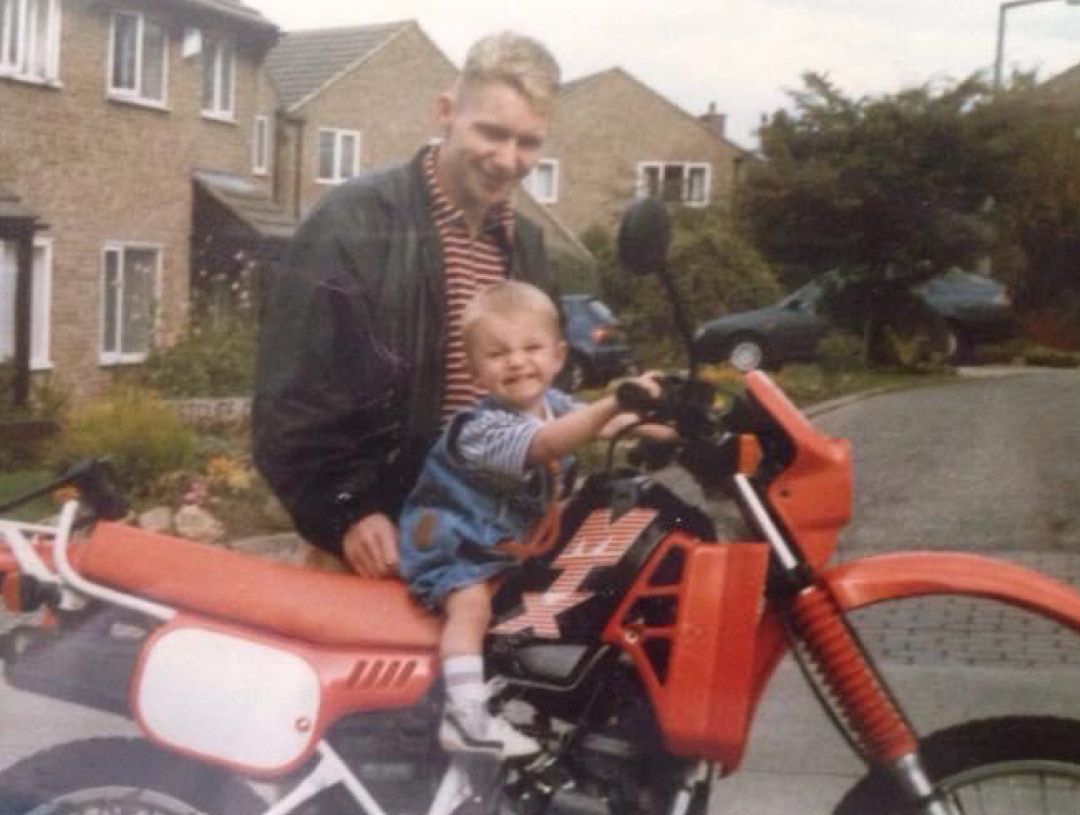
column 740, row 54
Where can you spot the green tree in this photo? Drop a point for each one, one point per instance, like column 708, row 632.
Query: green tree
column 873, row 185
column 893, row 189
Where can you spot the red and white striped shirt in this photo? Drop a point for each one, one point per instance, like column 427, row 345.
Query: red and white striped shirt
column 470, row 264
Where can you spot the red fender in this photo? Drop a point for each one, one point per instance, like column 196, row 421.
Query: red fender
column 870, row 580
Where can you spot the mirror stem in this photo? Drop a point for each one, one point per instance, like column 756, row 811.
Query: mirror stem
column 681, row 321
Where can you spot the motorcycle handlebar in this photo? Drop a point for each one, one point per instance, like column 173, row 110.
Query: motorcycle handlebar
column 91, row 477
column 686, row 403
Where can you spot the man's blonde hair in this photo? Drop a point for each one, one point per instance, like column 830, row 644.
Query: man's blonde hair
column 521, row 62
column 506, row 299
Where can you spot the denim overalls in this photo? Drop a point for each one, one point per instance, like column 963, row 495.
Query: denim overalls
column 458, row 513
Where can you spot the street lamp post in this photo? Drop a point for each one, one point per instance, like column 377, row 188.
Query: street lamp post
column 1002, row 10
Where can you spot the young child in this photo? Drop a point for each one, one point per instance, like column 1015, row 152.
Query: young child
column 484, row 484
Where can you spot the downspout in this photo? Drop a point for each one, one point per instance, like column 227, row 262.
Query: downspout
column 23, row 304
column 298, row 123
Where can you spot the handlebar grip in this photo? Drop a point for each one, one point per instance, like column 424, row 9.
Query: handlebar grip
column 92, row 478
column 634, row 398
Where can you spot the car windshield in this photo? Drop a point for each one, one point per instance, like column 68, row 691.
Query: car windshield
column 600, row 312
column 806, row 297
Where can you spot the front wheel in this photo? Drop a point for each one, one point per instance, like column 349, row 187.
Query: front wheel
column 120, row 775
column 1008, row 766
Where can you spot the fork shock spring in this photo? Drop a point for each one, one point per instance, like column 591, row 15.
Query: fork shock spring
column 867, row 709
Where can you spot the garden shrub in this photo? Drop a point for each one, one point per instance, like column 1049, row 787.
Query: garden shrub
column 1056, row 326
column 136, row 431
column 839, row 352
column 214, row 358
column 26, row 430
column 716, row 272
column 1052, row 358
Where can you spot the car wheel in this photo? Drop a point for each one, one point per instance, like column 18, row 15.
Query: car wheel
column 746, row 353
column 957, row 346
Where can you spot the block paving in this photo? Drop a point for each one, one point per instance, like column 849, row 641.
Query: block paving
column 973, row 631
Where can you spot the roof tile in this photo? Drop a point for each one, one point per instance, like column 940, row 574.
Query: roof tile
column 304, row 61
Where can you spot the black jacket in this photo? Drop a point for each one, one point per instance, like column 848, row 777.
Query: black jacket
column 349, row 375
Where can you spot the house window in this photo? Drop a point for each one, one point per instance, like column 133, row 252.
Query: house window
column 40, row 302
column 30, row 39
column 676, row 182
column 260, row 146
column 130, row 277
column 339, row 155
column 137, row 59
column 543, row 181
column 219, row 61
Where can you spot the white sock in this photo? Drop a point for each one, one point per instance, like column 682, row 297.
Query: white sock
column 464, row 679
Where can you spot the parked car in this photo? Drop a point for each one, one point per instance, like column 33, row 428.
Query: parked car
column 598, row 351
column 972, row 309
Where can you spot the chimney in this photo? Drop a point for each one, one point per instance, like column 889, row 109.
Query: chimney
column 713, row 120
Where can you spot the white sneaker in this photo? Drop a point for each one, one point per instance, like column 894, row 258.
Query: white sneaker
column 471, row 728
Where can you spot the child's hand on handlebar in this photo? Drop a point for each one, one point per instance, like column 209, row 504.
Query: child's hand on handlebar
column 633, row 392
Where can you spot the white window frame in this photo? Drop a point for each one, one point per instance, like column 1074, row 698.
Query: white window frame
column 339, row 135
column 535, row 188
column 19, row 50
column 260, row 145
column 137, row 95
column 40, row 299
column 221, row 51
column 41, row 306
column 688, row 167
column 116, row 355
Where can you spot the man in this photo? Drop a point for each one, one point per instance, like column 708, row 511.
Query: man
column 361, row 358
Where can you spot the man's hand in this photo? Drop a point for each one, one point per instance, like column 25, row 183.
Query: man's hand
column 370, row 546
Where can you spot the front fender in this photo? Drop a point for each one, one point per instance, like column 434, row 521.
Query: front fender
column 870, row 580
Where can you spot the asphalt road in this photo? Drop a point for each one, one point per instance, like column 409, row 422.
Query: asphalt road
column 980, row 464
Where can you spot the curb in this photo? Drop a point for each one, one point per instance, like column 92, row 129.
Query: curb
column 962, row 372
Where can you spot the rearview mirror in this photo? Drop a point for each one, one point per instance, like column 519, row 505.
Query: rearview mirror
column 644, row 234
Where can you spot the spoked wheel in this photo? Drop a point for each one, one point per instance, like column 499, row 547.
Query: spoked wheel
column 121, row 776
column 1011, row 766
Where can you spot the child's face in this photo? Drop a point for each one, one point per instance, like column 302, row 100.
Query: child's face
column 515, row 357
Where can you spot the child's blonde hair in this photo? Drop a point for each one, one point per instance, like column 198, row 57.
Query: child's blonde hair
column 505, row 298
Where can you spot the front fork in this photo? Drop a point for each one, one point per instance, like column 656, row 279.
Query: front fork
column 856, row 696
column 848, row 685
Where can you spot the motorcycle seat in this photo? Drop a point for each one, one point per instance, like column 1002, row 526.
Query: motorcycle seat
column 325, row 608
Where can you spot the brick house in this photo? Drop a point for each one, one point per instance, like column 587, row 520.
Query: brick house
column 613, row 137
column 107, row 113
column 144, row 143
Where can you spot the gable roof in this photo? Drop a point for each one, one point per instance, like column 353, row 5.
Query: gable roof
column 304, row 62
column 583, row 82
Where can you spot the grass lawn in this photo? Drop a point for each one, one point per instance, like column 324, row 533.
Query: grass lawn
column 806, row 385
column 15, row 483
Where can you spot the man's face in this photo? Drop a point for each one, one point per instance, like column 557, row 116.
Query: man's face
column 493, row 138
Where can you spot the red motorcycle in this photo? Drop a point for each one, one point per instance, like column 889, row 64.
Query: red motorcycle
column 635, row 650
